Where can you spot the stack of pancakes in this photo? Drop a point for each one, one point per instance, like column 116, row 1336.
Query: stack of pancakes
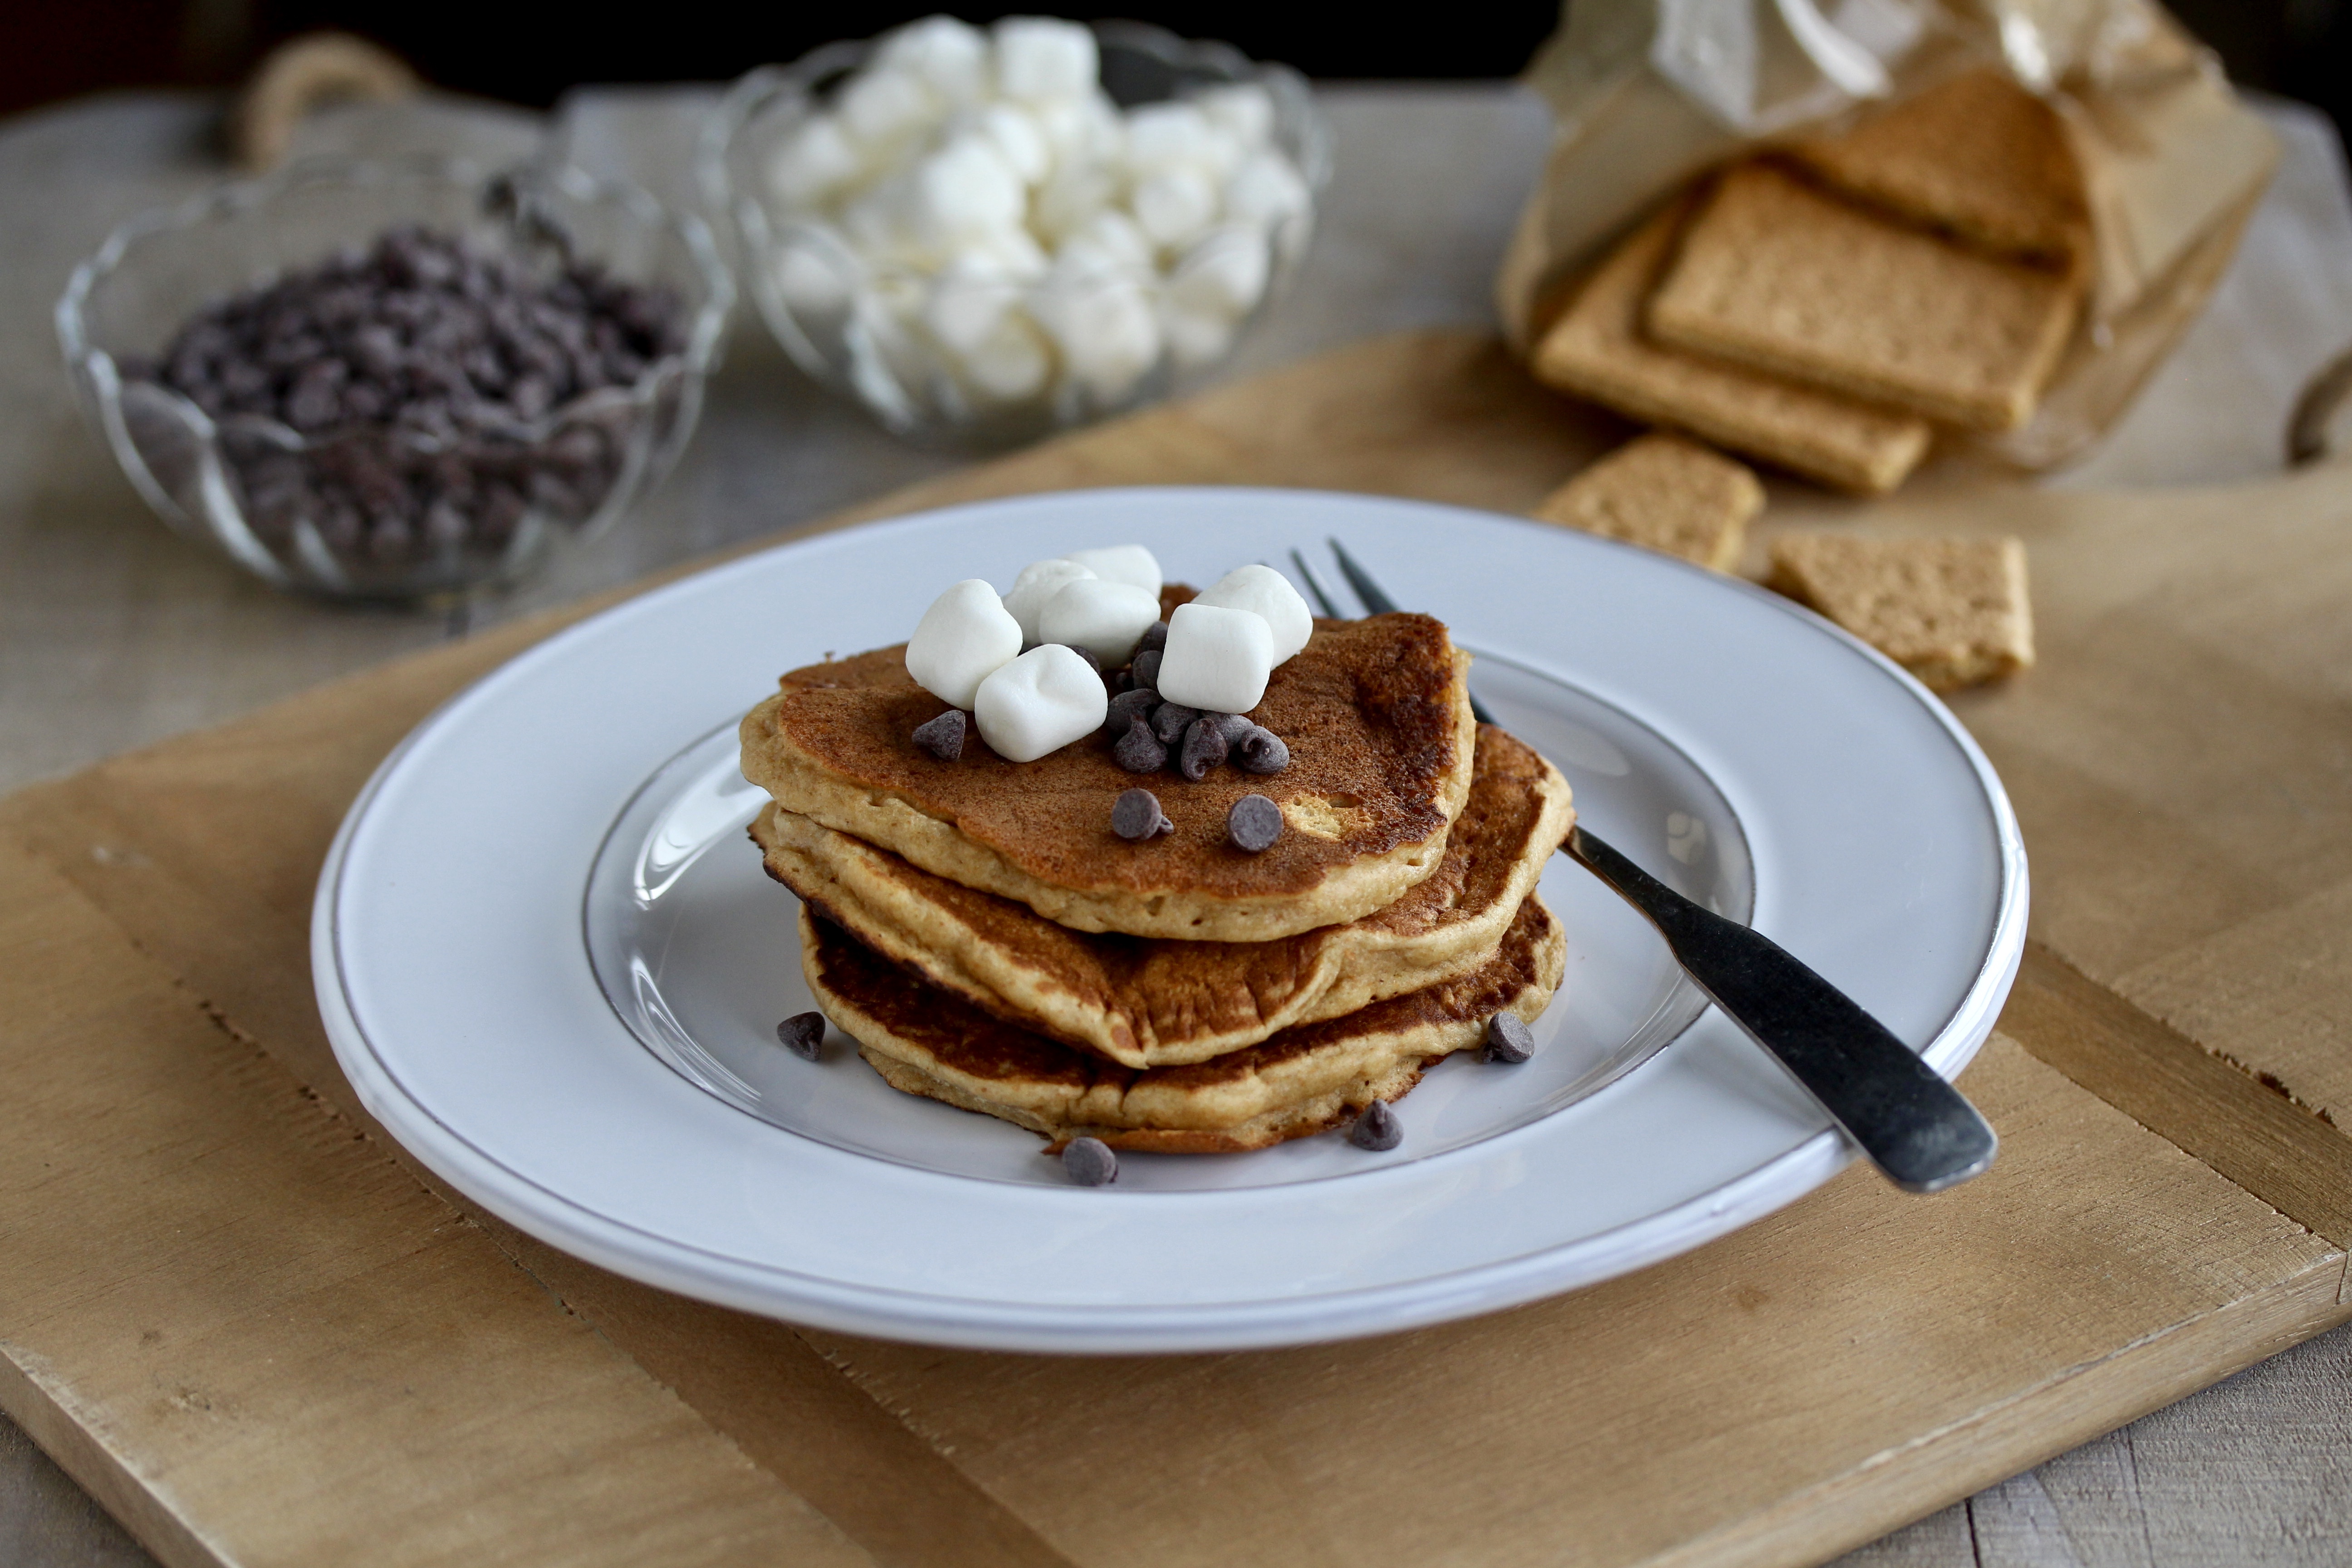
column 988, row 941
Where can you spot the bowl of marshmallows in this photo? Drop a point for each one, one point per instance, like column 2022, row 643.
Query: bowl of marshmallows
column 985, row 235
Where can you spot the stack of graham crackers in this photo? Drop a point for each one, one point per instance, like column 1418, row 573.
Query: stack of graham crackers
column 1826, row 307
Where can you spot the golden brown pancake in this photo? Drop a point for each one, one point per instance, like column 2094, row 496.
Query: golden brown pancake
column 1148, row 1002
column 1377, row 716
column 1304, row 1080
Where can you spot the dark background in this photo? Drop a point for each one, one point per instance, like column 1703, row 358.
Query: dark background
column 51, row 49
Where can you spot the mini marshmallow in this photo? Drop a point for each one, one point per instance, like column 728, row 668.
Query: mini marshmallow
column 962, row 639
column 1015, row 134
column 1070, row 199
column 1039, row 58
column 1130, row 564
column 1243, row 109
column 1265, row 190
column 810, row 282
column 1117, row 236
column 1011, row 364
column 965, row 192
column 1038, row 703
column 1195, row 338
column 1268, row 594
column 1039, row 581
column 1171, row 135
column 948, row 56
column 881, row 109
column 1224, row 276
column 967, row 304
column 1174, row 205
column 1107, row 331
column 1103, row 618
column 816, row 160
column 1217, row 659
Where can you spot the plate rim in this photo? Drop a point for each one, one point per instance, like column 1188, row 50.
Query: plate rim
column 1093, row 1328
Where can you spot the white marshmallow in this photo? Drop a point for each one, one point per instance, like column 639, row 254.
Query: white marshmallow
column 948, row 56
column 1265, row 190
column 1195, row 339
column 1068, row 200
column 1243, row 109
column 1103, row 618
column 882, row 109
column 1106, row 328
column 965, row 192
column 1129, row 563
column 1174, row 205
column 1039, row 581
column 816, row 160
column 1015, row 134
column 1224, row 275
column 1217, row 659
column 1115, row 236
column 1040, row 702
column 811, row 282
column 1039, row 58
column 967, row 304
column 1170, row 135
column 1011, row 364
column 1268, row 594
column 962, row 639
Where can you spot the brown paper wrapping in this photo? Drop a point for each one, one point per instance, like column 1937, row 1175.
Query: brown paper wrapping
column 1648, row 94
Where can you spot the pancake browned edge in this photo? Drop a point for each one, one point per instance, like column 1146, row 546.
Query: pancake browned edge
column 1302, row 1082
column 1376, row 713
column 1146, row 1003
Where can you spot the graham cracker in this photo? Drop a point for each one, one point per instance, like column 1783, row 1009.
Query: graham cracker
column 1665, row 493
column 1597, row 350
column 1953, row 612
column 1978, row 155
column 1783, row 277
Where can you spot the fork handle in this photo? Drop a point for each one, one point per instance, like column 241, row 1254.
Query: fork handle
column 1919, row 1131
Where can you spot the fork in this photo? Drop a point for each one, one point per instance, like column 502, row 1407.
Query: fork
column 1921, row 1133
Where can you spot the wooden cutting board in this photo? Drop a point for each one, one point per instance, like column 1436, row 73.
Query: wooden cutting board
column 232, row 1307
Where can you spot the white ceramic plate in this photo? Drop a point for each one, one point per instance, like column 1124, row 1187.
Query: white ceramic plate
column 551, row 964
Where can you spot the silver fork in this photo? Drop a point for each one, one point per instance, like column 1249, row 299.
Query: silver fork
column 1920, row 1132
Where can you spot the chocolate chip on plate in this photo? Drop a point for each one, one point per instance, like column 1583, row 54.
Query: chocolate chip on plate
column 1090, row 1162
column 1154, row 639
column 1260, row 751
column 1254, row 823
column 802, row 1034
column 943, row 737
column 1169, row 720
column 1509, row 1039
column 1136, row 816
column 1128, row 707
column 1140, row 751
column 1146, row 670
column 1204, row 748
column 1377, row 1129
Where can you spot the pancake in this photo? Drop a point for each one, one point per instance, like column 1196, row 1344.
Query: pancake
column 1304, row 1080
column 1145, row 1002
column 1376, row 713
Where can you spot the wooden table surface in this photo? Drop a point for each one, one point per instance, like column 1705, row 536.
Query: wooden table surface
column 114, row 633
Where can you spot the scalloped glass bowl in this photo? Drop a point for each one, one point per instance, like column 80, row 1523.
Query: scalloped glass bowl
column 854, row 322
column 238, row 482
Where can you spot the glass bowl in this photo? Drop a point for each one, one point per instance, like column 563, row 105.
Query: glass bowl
column 865, row 326
column 390, row 507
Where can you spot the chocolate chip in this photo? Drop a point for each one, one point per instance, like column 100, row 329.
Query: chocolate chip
column 802, row 1034
column 1136, row 816
column 942, row 737
column 1377, row 1129
column 1146, row 670
column 1254, row 823
column 1090, row 1162
column 1154, row 639
column 1509, row 1039
column 1170, row 720
column 1233, row 724
column 1260, row 751
column 1087, row 654
column 1125, row 708
column 1140, row 751
column 1204, row 748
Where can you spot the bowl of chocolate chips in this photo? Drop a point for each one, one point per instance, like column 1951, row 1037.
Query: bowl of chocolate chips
column 401, row 379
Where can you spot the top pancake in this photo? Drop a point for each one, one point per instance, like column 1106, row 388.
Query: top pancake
column 1376, row 713
column 1147, row 1003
